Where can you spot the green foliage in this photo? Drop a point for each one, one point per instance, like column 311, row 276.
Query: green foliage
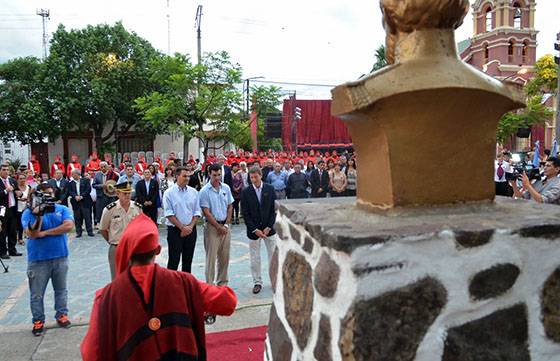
column 380, row 60
column 546, row 76
column 25, row 112
column 94, row 75
column 189, row 96
column 534, row 113
column 267, row 99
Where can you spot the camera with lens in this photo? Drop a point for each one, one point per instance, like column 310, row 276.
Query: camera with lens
column 44, row 201
column 520, row 168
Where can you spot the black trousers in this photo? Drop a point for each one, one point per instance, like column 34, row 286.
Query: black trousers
column 236, row 208
column 19, row 227
column 151, row 212
column 502, row 189
column 82, row 214
column 9, row 231
column 180, row 247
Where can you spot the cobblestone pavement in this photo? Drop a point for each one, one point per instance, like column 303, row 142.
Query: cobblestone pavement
column 89, row 271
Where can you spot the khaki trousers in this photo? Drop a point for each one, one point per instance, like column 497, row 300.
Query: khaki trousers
column 217, row 249
column 255, row 253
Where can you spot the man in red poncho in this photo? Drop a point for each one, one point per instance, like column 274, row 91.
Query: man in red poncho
column 148, row 312
column 73, row 164
column 93, row 162
column 34, row 165
column 57, row 164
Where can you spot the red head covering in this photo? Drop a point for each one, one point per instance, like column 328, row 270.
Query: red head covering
column 140, row 236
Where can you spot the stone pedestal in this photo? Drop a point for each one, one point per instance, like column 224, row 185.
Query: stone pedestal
column 468, row 282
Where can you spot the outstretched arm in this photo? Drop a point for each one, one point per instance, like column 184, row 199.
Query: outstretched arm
column 218, row 300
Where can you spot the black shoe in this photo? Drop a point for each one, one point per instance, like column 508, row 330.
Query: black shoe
column 257, row 289
column 15, row 254
column 78, row 235
column 38, row 328
column 4, row 256
column 210, row 319
column 91, row 234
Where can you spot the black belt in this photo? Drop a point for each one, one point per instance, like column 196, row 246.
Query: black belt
column 221, row 222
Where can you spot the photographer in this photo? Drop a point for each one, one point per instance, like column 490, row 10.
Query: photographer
column 46, row 225
column 542, row 191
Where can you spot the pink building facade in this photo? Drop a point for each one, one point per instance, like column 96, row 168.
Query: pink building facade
column 504, row 45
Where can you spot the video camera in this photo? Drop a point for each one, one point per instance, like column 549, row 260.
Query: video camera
column 520, row 165
column 44, row 201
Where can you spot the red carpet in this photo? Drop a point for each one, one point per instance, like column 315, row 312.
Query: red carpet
column 246, row 344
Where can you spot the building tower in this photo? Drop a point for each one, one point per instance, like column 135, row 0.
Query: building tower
column 504, row 38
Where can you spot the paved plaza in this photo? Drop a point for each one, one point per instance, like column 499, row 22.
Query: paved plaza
column 89, row 271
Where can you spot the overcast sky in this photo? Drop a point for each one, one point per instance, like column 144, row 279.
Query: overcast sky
column 305, row 41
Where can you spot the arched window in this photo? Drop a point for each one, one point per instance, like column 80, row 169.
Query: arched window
column 489, row 19
column 525, row 52
column 517, row 16
column 510, row 51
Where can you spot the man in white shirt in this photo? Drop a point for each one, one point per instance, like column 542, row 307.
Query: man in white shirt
column 501, row 167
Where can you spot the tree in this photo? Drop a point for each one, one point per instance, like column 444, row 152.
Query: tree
column 94, row 75
column 380, row 60
column 534, row 113
column 266, row 100
column 200, row 101
column 25, row 112
column 546, row 76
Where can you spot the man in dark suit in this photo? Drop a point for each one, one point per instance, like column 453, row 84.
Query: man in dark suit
column 147, row 191
column 100, row 178
column 79, row 192
column 227, row 177
column 60, row 186
column 257, row 206
column 9, row 219
column 319, row 181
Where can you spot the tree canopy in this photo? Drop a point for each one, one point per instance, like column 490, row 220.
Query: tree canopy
column 196, row 100
column 94, row 75
column 380, row 60
column 546, row 76
column 25, row 111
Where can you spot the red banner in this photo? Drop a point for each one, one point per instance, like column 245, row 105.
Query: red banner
column 254, row 127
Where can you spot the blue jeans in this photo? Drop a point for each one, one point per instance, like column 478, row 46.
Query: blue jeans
column 39, row 273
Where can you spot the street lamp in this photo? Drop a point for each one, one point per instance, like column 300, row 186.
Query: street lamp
column 247, row 87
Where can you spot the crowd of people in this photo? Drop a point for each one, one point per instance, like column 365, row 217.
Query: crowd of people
column 179, row 195
column 530, row 178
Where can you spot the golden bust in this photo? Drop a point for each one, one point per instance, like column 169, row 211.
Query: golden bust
column 424, row 127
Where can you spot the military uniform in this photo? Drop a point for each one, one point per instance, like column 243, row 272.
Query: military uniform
column 114, row 220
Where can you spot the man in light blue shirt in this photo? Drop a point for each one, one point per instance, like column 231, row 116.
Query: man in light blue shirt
column 278, row 180
column 132, row 177
column 182, row 210
column 216, row 202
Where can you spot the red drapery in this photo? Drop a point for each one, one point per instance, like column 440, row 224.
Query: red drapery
column 316, row 127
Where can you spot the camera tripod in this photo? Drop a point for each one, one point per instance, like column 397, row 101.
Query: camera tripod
column 4, row 266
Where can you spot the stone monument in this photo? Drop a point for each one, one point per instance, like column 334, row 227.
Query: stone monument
column 419, row 268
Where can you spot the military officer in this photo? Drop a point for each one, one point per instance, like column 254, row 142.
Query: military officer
column 116, row 216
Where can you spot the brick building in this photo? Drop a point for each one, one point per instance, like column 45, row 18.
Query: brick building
column 504, row 42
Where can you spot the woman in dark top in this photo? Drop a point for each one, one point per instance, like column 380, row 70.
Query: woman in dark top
column 351, row 178
column 195, row 177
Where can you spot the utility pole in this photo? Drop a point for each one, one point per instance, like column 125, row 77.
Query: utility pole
column 198, row 21
column 168, row 30
column 44, row 13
